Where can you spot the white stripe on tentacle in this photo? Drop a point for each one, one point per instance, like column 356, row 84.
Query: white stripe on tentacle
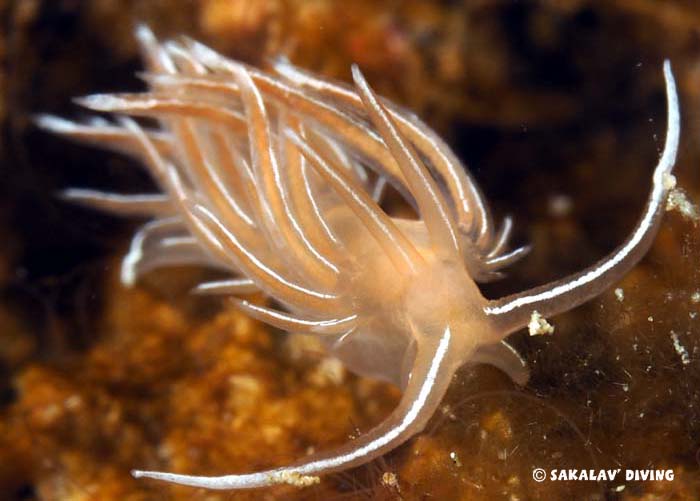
column 156, row 106
column 230, row 286
column 147, row 205
column 501, row 239
column 291, row 323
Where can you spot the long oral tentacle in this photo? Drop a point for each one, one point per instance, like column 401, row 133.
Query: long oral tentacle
column 432, row 371
column 513, row 312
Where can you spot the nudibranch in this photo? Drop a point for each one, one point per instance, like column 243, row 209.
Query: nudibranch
column 276, row 179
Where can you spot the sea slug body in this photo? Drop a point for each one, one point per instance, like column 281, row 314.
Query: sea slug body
column 277, row 178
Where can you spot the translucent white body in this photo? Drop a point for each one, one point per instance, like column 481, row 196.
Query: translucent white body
column 277, row 178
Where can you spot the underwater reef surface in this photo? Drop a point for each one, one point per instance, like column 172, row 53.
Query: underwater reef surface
column 558, row 110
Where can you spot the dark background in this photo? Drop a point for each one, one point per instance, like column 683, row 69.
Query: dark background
column 541, row 100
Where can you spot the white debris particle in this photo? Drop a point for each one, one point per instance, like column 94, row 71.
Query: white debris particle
column 73, row 402
column 560, row 205
column 695, row 297
column 447, row 411
column 538, row 325
column 294, row 478
column 329, row 371
column 669, row 181
column 620, row 294
column 390, row 480
column 680, row 349
column 619, row 488
column 677, row 200
column 650, row 318
column 455, row 459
